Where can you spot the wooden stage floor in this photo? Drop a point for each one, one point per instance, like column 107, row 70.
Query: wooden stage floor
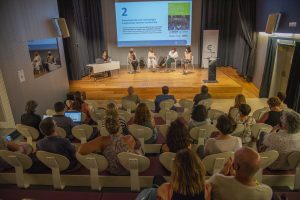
column 148, row 84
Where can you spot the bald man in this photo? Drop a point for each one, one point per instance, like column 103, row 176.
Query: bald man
column 236, row 180
column 131, row 96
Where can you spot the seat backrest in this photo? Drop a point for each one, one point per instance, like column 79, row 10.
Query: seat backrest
column 267, row 158
column 166, row 159
column 234, row 112
column 163, row 129
column 53, row 160
column 187, row 104
column 203, row 131
column 168, row 115
column 214, row 114
column 257, row 128
column 50, row 112
column 166, row 104
column 150, row 104
column 259, row 112
column 28, row 131
column 61, row 132
column 128, row 105
column 215, row 162
column 133, row 161
column 125, row 115
column 16, row 159
column 294, row 159
column 98, row 114
column 187, row 115
column 82, row 132
column 206, row 102
column 139, row 131
column 93, row 160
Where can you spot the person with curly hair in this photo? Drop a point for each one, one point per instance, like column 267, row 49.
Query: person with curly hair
column 30, row 118
column 143, row 117
column 273, row 116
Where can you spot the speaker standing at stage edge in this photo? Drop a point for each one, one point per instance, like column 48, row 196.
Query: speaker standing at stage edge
column 61, row 27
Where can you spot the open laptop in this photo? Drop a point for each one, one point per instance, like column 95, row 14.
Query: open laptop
column 74, row 115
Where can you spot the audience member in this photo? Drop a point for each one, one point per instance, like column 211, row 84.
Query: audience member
column 83, row 107
column 237, row 179
column 187, row 179
column 238, row 100
column 110, row 146
column 224, row 141
column 178, row 137
column 201, row 96
column 55, row 144
column 69, row 100
column 132, row 96
column 63, row 121
column 112, row 111
column 273, row 116
column 164, row 96
column 284, row 139
column 30, row 118
column 198, row 117
column 143, row 117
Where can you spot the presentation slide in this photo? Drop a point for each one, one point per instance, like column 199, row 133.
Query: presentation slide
column 154, row 23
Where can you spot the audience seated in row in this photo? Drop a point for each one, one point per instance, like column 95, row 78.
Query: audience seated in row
column 238, row 100
column 143, row 117
column 202, row 96
column 112, row 110
column 272, row 117
column 164, row 96
column 110, row 146
column 132, row 96
column 224, row 141
column 199, row 117
column 30, row 118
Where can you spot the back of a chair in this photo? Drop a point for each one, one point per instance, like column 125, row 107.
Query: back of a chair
column 50, row 112
column 186, row 104
column 294, row 159
column 28, row 132
column 16, row 159
column 93, row 161
column 82, row 132
column 98, row 114
column 234, row 112
column 128, row 105
column 259, row 113
column 166, row 104
column 53, row 161
column 267, row 158
column 166, row 159
column 215, row 162
column 61, row 132
column 168, row 115
column 131, row 161
column 163, row 129
column 139, row 131
column 257, row 128
column 150, row 104
column 206, row 102
column 203, row 131
column 214, row 114
column 125, row 115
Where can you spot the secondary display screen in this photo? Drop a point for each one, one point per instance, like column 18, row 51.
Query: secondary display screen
column 154, row 23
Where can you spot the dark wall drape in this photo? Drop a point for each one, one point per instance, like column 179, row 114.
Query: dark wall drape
column 235, row 20
column 86, row 41
column 268, row 69
column 293, row 88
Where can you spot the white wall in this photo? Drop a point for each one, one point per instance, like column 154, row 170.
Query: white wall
column 21, row 21
column 120, row 53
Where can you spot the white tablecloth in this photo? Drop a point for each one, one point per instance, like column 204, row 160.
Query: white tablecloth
column 104, row 67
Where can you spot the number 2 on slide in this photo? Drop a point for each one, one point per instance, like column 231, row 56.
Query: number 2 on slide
column 124, row 11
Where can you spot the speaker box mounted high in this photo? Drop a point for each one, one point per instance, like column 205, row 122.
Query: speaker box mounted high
column 61, row 27
column 272, row 23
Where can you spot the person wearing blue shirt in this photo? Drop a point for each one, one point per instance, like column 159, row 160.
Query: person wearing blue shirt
column 164, row 96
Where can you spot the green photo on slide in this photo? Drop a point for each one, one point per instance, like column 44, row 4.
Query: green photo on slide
column 179, row 16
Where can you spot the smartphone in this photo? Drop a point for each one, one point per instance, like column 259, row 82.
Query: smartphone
column 8, row 138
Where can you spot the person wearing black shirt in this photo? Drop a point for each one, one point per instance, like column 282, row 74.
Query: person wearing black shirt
column 30, row 118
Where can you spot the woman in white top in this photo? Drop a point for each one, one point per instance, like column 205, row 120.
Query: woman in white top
column 37, row 62
column 151, row 59
column 224, row 141
column 172, row 56
column 187, row 59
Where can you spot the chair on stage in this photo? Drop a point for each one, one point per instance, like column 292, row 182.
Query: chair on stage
column 189, row 64
column 130, row 68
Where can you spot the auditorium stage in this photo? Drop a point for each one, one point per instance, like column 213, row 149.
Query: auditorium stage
column 148, row 84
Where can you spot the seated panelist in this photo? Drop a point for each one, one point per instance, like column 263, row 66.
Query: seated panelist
column 132, row 59
column 172, row 56
column 152, row 62
column 104, row 58
column 187, row 58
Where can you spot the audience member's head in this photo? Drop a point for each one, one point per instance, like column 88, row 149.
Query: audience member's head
column 142, row 114
column 112, row 124
column 188, row 173
column 78, row 96
column 274, row 102
column 178, row 136
column 76, row 105
column 112, row 110
column 199, row 113
column 204, row 89
column 281, row 96
column 244, row 109
column 47, row 126
column 59, row 107
column 165, row 89
column 31, row 106
column 239, row 99
column 130, row 90
column 290, row 121
column 224, row 125
column 246, row 163
column 70, row 96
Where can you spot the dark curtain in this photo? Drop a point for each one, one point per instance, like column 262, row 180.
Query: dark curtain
column 86, row 41
column 268, row 69
column 293, row 88
column 235, row 20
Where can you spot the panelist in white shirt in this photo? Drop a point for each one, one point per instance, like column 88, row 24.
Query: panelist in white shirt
column 172, row 56
column 151, row 59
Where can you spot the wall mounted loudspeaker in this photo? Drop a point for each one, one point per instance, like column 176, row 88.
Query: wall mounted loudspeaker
column 272, row 23
column 61, row 27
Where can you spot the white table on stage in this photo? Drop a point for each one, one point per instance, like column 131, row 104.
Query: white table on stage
column 104, row 67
